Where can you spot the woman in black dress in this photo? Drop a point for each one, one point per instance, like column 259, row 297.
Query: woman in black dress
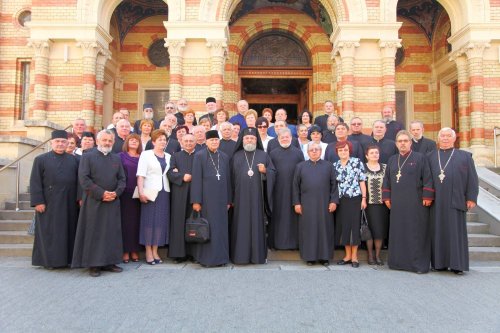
column 352, row 192
column 376, row 211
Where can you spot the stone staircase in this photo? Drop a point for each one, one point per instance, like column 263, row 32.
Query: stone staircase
column 14, row 239
column 15, row 242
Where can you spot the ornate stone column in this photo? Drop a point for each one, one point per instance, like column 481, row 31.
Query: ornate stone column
column 338, row 79
column 388, row 51
column 175, row 51
column 102, row 58
column 41, row 59
column 347, row 50
column 475, row 53
column 218, row 51
column 463, row 99
column 90, row 50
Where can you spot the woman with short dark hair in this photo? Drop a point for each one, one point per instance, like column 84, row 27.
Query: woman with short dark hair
column 352, row 192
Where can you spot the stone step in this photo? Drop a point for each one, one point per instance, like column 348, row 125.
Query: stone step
column 480, row 240
column 14, row 225
column 23, row 205
column 24, row 197
column 484, row 253
column 15, row 237
column 472, row 217
column 338, row 254
column 477, row 228
column 19, row 215
column 16, row 250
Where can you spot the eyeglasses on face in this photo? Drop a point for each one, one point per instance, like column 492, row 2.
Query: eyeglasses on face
column 356, row 124
column 169, row 107
column 262, row 126
column 314, row 149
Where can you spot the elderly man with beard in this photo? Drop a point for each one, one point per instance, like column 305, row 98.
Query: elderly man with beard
column 329, row 133
column 53, row 188
column 147, row 113
column 322, row 121
column 393, row 126
column 253, row 177
column 98, row 243
column 283, row 228
column 418, row 142
column 274, row 143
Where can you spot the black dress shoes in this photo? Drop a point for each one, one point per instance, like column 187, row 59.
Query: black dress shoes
column 457, row 272
column 325, row 263
column 112, row 269
column 310, row 263
column 355, row 264
column 344, row 262
column 94, row 271
column 379, row 262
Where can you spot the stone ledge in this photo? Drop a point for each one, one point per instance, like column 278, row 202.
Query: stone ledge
column 42, row 123
column 19, row 139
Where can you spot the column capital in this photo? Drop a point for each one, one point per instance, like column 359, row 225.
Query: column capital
column 218, row 47
column 41, row 47
column 476, row 49
column 90, row 48
column 103, row 57
column 389, row 47
column 175, row 46
column 345, row 48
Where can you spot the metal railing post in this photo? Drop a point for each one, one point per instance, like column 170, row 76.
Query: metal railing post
column 18, row 177
column 495, row 144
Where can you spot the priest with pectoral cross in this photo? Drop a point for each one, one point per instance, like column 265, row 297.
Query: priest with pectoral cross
column 253, row 175
column 408, row 192
column 457, row 188
column 211, row 196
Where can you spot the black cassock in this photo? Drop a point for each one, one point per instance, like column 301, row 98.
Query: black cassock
column 99, row 233
column 283, row 227
column 332, row 156
column 315, row 187
column 448, row 213
column 274, row 143
column 214, row 195
column 180, row 204
column 227, row 146
column 53, row 182
column 248, row 230
column 409, row 231
column 387, row 148
column 423, row 145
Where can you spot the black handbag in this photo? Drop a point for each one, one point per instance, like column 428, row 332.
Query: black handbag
column 197, row 229
column 364, row 230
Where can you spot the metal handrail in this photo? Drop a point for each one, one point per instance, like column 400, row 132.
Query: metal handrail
column 18, row 167
column 495, row 142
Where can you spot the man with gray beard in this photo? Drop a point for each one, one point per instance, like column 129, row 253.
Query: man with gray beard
column 283, row 227
column 253, row 174
column 147, row 113
column 98, row 243
column 329, row 135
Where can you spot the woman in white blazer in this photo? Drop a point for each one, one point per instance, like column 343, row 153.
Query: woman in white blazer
column 151, row 180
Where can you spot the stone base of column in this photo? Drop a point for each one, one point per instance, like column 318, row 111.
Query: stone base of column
column 483, row 155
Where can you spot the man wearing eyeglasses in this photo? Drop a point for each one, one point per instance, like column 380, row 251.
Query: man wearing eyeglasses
column 356, row 131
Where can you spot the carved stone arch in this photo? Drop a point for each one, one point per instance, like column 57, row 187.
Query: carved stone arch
column 221, row 10
column 275, row 49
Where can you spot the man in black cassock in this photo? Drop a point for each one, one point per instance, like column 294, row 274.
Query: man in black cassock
column 98, row 243
column 357, row 132
column 211, row 195
column 457, row 186
column 408, row 192
column 283, row 227
column 393, row 126
column 253, row 177
column 180, row 176
column 387, row 146
column 341, row 131
column 274, row 143
column 315, row 198
column 419, row 143
column 328, row 135
column 53, row 190
column 227, row 145
column 122, row 130
column 210, row 106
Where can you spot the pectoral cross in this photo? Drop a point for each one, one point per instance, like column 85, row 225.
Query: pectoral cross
column 441, row 176
column 218, row 176
column 398, row 175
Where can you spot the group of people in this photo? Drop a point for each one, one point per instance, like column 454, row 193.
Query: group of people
column 259, row 184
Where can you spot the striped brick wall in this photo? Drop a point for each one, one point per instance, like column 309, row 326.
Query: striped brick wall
column 136, row 70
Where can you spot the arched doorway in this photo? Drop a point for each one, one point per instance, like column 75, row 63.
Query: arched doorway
column 275, row 72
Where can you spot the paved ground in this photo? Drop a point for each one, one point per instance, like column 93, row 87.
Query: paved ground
column 277, row 297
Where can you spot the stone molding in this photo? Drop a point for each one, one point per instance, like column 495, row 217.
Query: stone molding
column 41, row 47
column 218, row 48
column 175, row 47
column 346, row 49
column 389, row 48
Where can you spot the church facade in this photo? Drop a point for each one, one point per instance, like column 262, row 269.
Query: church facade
column 437, row 61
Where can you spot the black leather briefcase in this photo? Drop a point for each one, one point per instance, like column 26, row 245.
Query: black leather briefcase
column 197, row 229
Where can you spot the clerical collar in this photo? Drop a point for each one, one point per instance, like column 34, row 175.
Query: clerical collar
column 212, row 152
column 189, row 153
column 315, row 161
column 446, row 149
column 104, row 153
column 378, row 140
column 404, row 155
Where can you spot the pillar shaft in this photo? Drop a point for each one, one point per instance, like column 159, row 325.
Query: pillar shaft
column 41, row 59
column 175, row 51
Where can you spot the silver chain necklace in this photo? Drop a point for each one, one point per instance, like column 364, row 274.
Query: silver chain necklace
column 217, row 168
column 441, row 174
column 398, row 175
column 250, row 171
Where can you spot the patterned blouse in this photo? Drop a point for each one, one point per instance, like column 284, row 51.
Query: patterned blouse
column 348, row 177
column 374, row 180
